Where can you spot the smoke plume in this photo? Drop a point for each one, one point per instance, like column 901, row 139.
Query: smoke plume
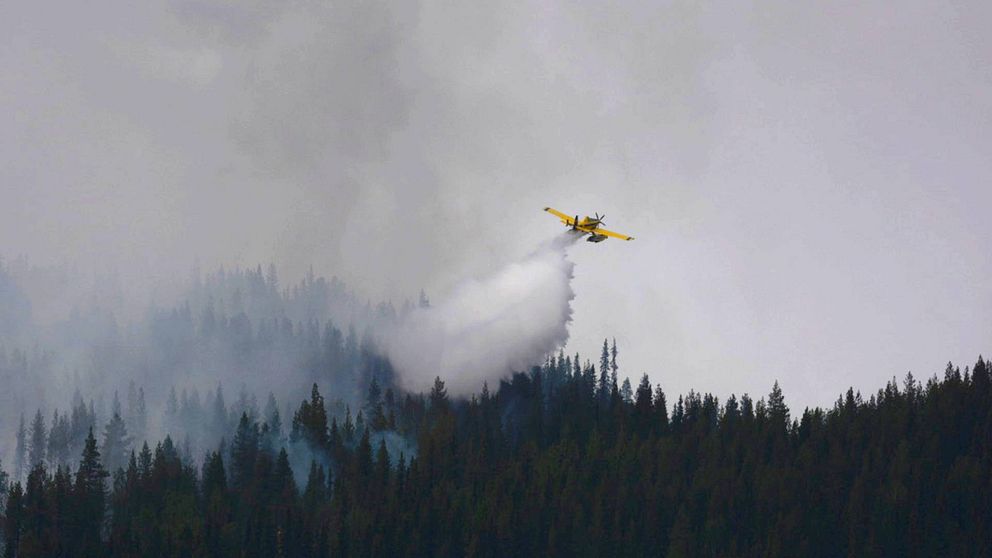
column 490, row 326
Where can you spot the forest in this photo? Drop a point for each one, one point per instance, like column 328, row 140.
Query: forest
column 255, row 419
column 560, row 461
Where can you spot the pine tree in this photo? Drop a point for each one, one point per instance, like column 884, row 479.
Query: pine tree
column 660, row 410
column 145, row 461
column 604, row 390
column 79, row 424
column 59, row 493
column 335, row 442
column 214, row 475
column 438, row 397
column 390, row 402
column 244, row 450
column 217, row 507
column 626, row 392
column 116, row 443
column 349, row 428
column 51, row 444
column 310, row 421
column 21, row 451
column 39, row 439
column 91, row 417
column 89, row 498
column 381, row 467
column 359, row 421
column 115, row 408
column 13, row 524
column 58, row 441
column 219, row 419
column 283, row 478
column 777, row 410
column 981, row 378
column 642, row 406
column 613, row 362
column 137, row 413
column 4, row 486
column 36, row 536
column 266, row 442
column 363, row 458
column 373, row 406
column 273, row 419
column 316, row 490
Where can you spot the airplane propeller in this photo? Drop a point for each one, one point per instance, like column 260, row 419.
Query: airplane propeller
column 600, row 218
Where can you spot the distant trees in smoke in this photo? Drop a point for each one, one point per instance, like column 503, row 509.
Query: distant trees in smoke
column 238, row 328
column 59, row 443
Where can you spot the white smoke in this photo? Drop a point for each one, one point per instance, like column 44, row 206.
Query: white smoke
column 489, row 327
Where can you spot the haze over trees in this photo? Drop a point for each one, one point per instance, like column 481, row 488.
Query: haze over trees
column 255, row 420
column 236, row 336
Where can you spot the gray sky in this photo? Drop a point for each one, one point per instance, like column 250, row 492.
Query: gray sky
column 809, row 183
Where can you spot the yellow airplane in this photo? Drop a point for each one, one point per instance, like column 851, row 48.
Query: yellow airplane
column 588, row 225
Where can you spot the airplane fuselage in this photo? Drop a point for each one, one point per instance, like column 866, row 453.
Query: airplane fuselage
column 587, row 225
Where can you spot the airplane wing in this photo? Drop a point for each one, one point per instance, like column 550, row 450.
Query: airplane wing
column 569, row 220
column 598, row 230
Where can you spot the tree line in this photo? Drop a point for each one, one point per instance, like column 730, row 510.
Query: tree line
column 559, row 461
column 239, row 327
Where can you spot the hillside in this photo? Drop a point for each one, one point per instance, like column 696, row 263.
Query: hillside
column 557, row 462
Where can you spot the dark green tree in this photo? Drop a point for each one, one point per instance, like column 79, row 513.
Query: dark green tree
column 439, row 397
column 13, row 521
column 38, row 536
column 310, row 421
column 89, row 499
column 778, row 412
column 604, row 388
column 244, row 452
column 217, row 527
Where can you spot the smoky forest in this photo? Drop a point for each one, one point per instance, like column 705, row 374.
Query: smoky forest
column 260, row 420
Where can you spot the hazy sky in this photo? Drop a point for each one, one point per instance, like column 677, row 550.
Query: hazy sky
column 809, row 183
